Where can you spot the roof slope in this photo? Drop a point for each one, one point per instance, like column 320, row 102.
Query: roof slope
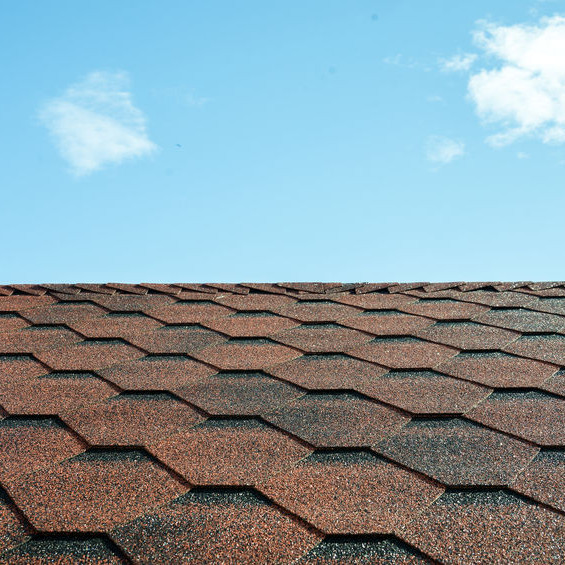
column 290, row 423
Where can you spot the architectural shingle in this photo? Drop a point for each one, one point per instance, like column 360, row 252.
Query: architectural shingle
column 307, row 423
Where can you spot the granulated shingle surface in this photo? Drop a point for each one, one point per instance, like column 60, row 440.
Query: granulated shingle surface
column 282, row 423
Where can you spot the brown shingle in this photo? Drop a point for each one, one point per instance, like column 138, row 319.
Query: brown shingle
column 315, row 423
column 337, row 420
column 93, row 491
column 487, row 527
column 250, row 452
column 351, row 493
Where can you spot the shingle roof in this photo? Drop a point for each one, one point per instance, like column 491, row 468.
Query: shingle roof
column 290, row 423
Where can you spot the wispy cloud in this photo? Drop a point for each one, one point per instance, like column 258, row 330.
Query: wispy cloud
column 457, row 63
column 442, row 150
column 525, row 94
column 95, row 123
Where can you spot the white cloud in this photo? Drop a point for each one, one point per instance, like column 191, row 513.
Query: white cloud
column 441, row 150
column 525, row 94
column 458, row 63
column 95, row 123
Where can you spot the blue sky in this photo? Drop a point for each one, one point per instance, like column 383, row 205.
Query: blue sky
column 325, row 140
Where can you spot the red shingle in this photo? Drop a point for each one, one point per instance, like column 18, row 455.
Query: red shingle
column 64, row 313
column 251, row 325
column 216, row 527
column 458, row 453
column 487, row 527
column 123, row 324
column 351, row 493
column 176, row 339
column 322, row 338
column 190, row 312
column 53, row 393
column 534, row 416
column 30, row 444
column 404, row 353
column 317, row 311
column 341, row 420
column 251, row 355
column 131, row 419
column 89, row 355
column 468, row 335
column 393, row 323
column 35, row 339
column 229, row 452
column 157, row 372
column 498, row 369
column 424, row 392
column 334, row 371
column 443, row 309
column 93, row 491
column 351, row 407
column 239, row 393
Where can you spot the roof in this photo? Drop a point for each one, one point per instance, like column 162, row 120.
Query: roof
column 288, row 423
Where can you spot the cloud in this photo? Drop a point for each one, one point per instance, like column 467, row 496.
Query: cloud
column 94, row 123
column 458, row 63
column 442, row 150
column 524, row 95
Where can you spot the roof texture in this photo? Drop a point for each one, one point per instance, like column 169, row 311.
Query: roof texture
column 288, row 423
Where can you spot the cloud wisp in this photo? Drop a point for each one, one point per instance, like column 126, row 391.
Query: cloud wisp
column 457, row 63
column 441, row 150
column 95, row 123
column 524, row 95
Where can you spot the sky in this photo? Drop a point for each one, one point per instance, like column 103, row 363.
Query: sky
column 318, row 140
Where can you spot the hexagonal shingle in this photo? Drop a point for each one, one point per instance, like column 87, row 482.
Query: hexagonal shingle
column 37, row 338
column 544, row 479
column 468, row 335
column 404, row 353
column 239, row 393
column 322, row 338
column 89, row 355
column 157, row 372
column 93, row 491
column 246, row 354
column 337, row 420
column 31, row 443
column 425, row 392
column 216, row 527
column 190, row 312
column 534, row 416
column 53, row 393
column 176, row 339
column 497, row 369
column 251, row 324
column 317, row 311
column 387, row 323
column 550, row 348
column 64, row 313
column 485, row 528
column 330, row 371
column 132, row 419
column 444, row 309
column 522, row 320
column 458, row 453
column 229, row 452
column 118, row 324
column 351, row 493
